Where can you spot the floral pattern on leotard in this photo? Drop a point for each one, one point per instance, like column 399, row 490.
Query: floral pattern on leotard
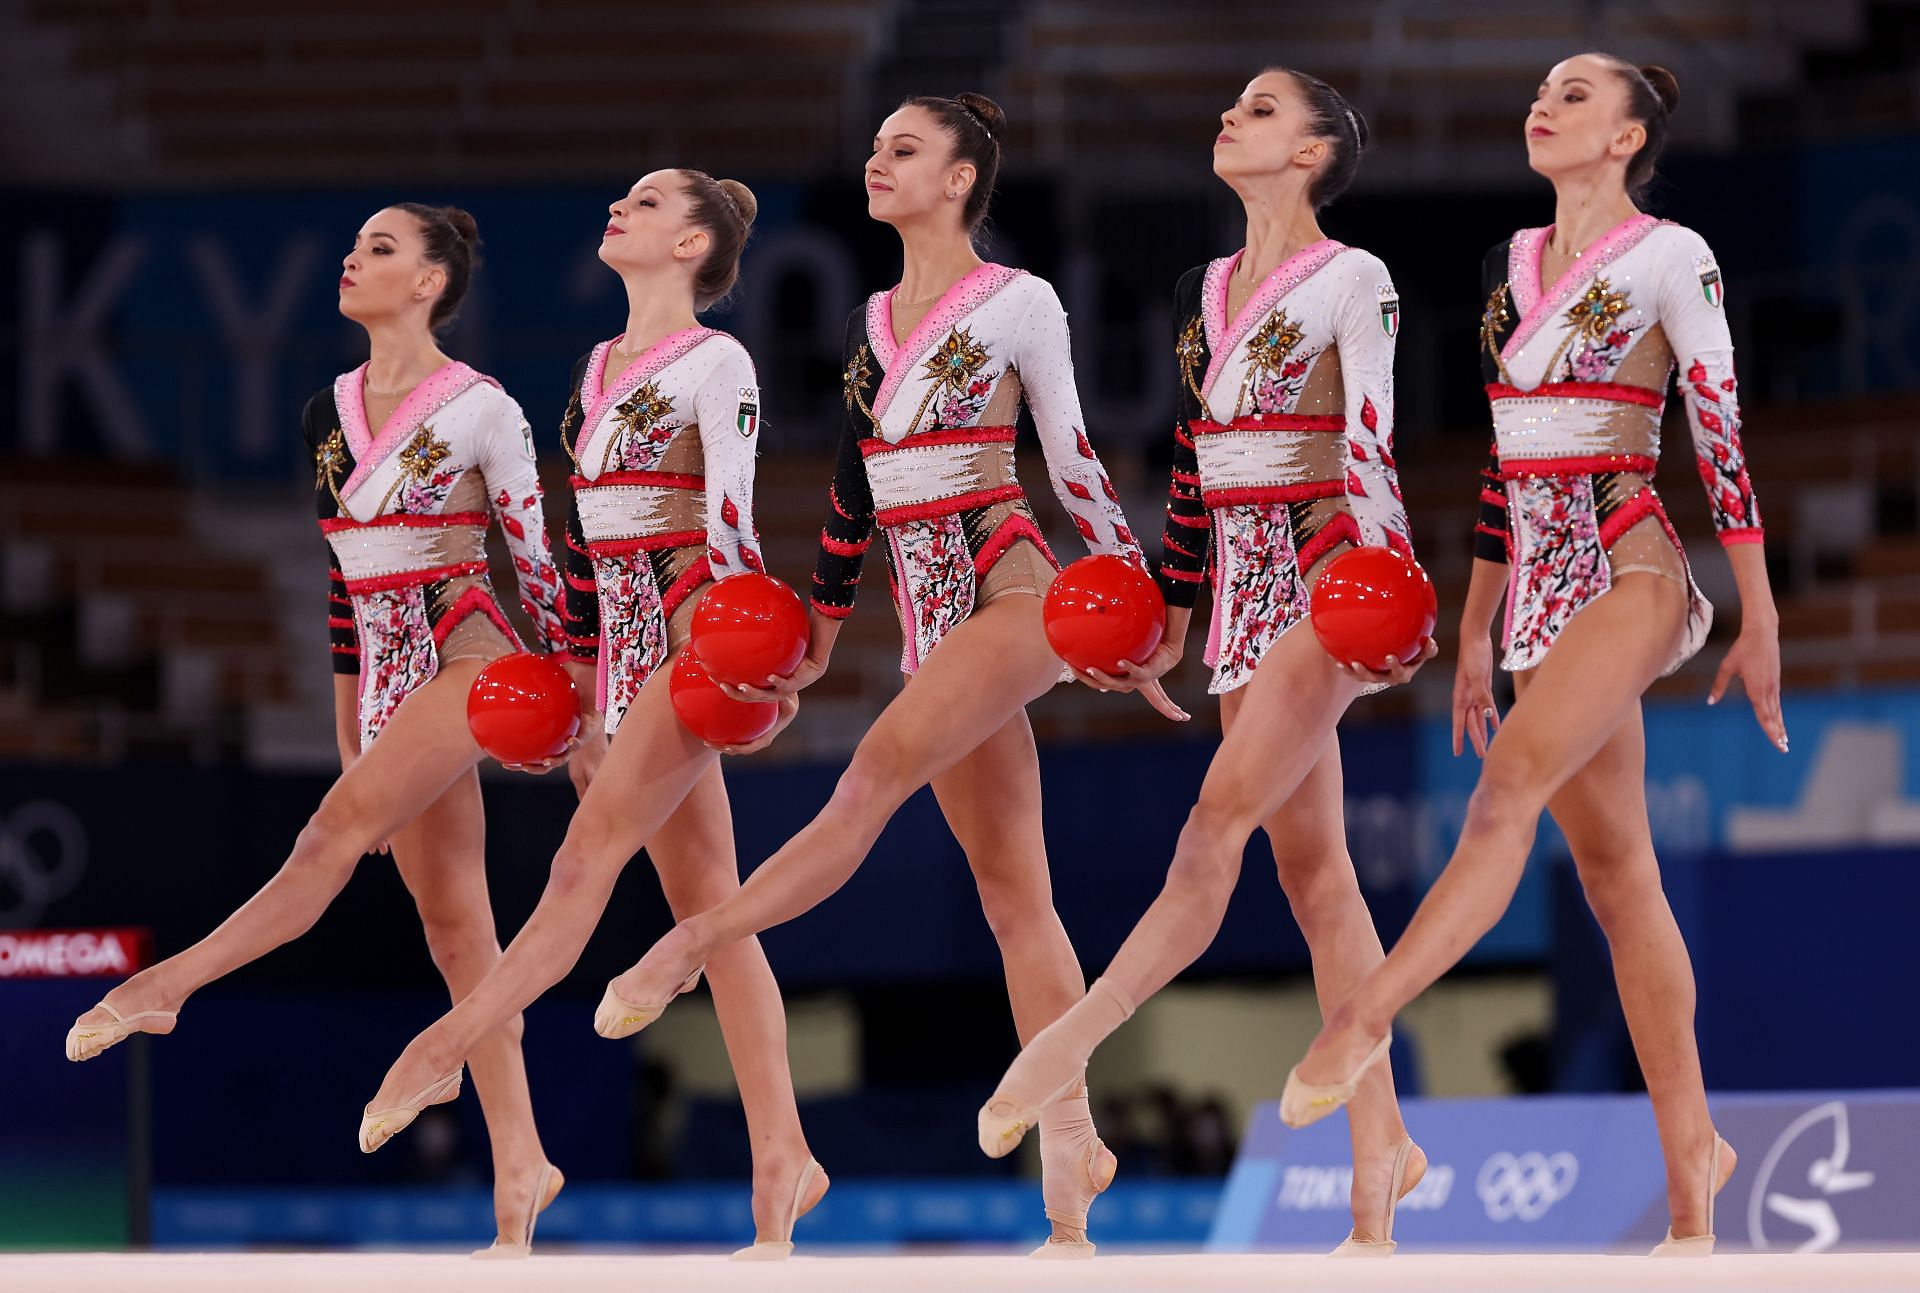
column 426, row 497
column 633, row 628
column 425, row 482
column 966, row 404
column 1595, row 360
column 398, row 655
column 1723, row 464
column 1559, row 563
column 1261, row 592
column 645, row 430
column 1279, row 391
column 934, row 555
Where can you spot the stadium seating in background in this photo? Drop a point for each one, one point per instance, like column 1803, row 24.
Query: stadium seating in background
column 129, row 626
column 218, row 89
column 1135, row 82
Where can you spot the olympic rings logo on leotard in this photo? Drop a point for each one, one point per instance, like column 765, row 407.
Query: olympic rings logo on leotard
column 43, row 854
column 1524, row 1186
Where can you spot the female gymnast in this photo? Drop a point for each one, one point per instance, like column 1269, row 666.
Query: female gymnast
column 1586, row 321
column 1283, row 459
column 411, row 453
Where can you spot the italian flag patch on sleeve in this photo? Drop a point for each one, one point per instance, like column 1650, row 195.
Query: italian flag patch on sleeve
column 1710, row 286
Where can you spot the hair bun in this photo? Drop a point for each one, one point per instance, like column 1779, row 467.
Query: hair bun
column 1360, row 129
column 1664, row 84
column 743, row 198
column 984, row 108
column 463, row 224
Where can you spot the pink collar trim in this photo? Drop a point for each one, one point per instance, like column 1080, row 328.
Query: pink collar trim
column 880, row 329
column 1223, row 335
column 421, row 403
column 896, row 358
column 597, row 401
column 1523, row 272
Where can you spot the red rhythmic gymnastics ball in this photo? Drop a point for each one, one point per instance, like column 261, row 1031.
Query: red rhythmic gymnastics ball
column 710, row 713
column 1101, row 611
column 748, row 628
column 1371, row 603
column 523, row 709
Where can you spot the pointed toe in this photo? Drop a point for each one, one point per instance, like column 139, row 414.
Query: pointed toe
column 378, row 1126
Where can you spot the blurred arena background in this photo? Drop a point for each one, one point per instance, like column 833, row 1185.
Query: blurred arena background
column 180, row 178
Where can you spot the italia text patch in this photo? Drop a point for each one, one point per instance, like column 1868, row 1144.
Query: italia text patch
column 1709, row 274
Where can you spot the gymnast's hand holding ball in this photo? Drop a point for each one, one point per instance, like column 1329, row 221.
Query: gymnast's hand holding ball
column 524, row 710
column 1107, row 620
column 749, row 630
column 1373, row 609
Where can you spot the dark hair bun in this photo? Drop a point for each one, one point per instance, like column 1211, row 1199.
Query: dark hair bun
column 743, row 199
column 725, row 209
column 451, row 240
column 984, row 108
column 463, row 224
column 1664, row 84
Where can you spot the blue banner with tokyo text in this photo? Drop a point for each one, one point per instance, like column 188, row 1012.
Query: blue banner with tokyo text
column 1816, row 1171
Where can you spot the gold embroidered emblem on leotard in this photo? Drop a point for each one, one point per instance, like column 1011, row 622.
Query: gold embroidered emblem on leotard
column 328, row 461
column 1590, row 319
column 569, row 428
column 1593, row 314
column 854, row 379
column 1267, row 351
column 1496, row 316
column 639, row 414
column 418, row 461
column 1188, row 350
column 951, row 367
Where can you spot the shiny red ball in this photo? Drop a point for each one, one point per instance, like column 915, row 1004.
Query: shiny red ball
column 710, row 713
column 523, row 708
column 1371, row 603
column 748, row 628
column 1103, row 610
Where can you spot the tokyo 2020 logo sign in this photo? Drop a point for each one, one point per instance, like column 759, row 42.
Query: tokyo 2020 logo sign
column 1522, row 1187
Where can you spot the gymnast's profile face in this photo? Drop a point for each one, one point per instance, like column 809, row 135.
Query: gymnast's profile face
column 1579, row 119
column 912, row 169
column 652, row 225
column 1267, row 131
column 387, row 272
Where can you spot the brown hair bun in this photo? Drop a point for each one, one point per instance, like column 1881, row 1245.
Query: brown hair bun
column 742, row 198
column 1664, row 83
column 990, row 113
